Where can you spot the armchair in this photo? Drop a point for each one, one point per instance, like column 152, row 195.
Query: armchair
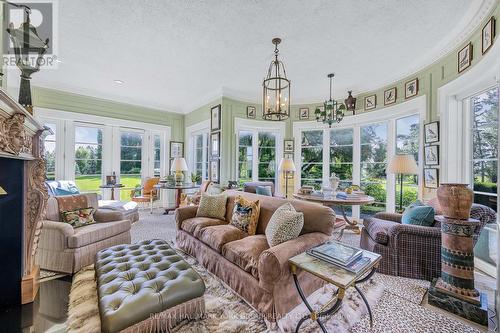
column 410, row 250
column 148, row 192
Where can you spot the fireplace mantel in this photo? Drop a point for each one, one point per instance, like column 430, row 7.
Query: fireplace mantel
column 21, row 137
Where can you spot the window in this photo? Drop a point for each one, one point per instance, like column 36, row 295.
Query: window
column 200, row 158
column 50, row 153
column 267, row 156
column 373, row 165
column 245, row 156
column 157, row 155
column 407, row 142
column 484, row 139
column 130, row 161
column 88, row 158
column 312, row 158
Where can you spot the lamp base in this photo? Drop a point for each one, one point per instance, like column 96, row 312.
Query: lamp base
column 179, row 178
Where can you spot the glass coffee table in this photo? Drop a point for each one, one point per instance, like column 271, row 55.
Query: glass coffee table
column 333, row 274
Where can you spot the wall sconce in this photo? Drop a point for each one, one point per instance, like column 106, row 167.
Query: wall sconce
column 2, row 191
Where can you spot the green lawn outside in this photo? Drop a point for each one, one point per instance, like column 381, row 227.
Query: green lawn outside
column 91, row 183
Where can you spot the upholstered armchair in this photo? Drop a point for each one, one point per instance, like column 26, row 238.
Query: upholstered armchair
column 148, row 194
column 410, row 250
column 251, row 187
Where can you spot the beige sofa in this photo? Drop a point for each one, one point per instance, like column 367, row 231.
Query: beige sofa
column 63, row 248
column 258, row 273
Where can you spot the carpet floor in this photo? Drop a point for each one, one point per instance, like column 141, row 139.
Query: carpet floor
column 397, row 307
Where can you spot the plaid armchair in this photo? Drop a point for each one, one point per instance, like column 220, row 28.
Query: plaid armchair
column 410, row 250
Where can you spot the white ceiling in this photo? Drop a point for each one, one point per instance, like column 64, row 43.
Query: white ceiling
column 176, row 55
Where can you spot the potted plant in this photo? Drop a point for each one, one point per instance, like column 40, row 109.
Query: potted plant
column 195, row 178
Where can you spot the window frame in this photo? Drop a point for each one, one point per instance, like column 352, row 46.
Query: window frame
column 191, row 132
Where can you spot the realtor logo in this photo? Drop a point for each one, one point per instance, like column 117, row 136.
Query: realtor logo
column 43, row 20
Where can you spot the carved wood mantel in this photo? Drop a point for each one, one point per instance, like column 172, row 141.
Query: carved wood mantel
column 21, row 137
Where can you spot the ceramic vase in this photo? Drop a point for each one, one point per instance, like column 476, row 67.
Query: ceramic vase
column 334, row 182
column 455, row 200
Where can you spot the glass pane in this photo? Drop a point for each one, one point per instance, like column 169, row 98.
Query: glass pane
column 374, row 153
column 343, row 171
column 199, row 155
column 341, row 137
column 487, row 200
column 316, row 183
column 90, row 135
column 312, row 155
column 83, row 151
column 341, row 154
column 156, row 170
column 245, row 154
column 266, row 171
column 267, row 154
column 245, row 171
column 485, row 109
column 131, row 139
column 377, row 190
column 312, row 138
column 51, row 137
column 157, row 142
column 157, row 153
column 373, row 171
column 245, row 138
column 131, row 153
column 267, row 140
column 199, row 141
column 127, row 167
column 374, row 134
column 312, row 171
column 485, row 176
column 485, row 143
column 407, row 135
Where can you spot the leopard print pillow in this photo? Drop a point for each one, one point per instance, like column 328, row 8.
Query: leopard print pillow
column 285, row 224
column 246, row 214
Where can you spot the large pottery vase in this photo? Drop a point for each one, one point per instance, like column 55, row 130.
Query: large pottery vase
column 455, row 200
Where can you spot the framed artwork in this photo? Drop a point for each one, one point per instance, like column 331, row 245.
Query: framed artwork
column 288, row 155
column 488, row 35
column 215, row 145
column 390, row 96
column 251, row 112
column 304, row 113
column 431, row 155
column 370, row 102
column 411, row 88
column 288, row 146
column 176, row 149
column 215, row 118
column 431, row 178
column 465, row 58
column 431, row 132
column 215, row 171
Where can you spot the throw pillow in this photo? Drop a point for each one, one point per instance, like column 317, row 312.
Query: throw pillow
column 416, row 203
column 419, row 215
column 213, row 206
column 79, row 217
column 264, row 190
column 285, row 224
column 246, row 215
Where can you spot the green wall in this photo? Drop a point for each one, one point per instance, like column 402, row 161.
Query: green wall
column 431, row 78
column 65, row 101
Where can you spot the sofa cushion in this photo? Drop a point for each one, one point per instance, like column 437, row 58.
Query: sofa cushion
column 377, row 229
column 196, row 223
column 246, row 252
column 246, row 214
column 212, row 206
column 285, row 224
column 97, row 232
column 418, row 214
column 79, row 217
column 68, row 203
column 218, row 235
column 264, row 190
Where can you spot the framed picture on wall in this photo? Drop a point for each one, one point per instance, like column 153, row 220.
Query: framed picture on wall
column 370, row 102
column 304, row 113
column 251, row 112
column 431, row 132
column 215, row 118
column 176, row 149
column 431, row 178
column 488, row 35
column 411, row 88
column 465, row 58
column 288, row 146
column 215, row 171
column 431, row 155
column 390, row 96
column 215, row 145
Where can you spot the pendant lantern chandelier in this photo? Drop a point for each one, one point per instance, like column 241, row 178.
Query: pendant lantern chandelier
column 332, row 112
column 276, row 89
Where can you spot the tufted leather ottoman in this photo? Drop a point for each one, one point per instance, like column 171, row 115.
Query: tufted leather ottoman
column 146, row 286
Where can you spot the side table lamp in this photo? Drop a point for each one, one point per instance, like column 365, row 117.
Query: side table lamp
column 288, row 168
column 401, row 165
column 179, row 166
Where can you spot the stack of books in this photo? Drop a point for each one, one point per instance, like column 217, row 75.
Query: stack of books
column 347, row 257
column 346, row 196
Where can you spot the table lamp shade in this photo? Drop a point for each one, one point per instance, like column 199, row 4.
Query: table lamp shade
column 179, row 164
column 403, row 164
column 287, row 165
column 2, row 191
